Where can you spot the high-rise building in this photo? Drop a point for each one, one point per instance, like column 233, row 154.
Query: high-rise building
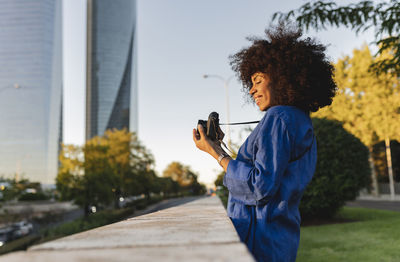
column 111, row 81
column 30, row 88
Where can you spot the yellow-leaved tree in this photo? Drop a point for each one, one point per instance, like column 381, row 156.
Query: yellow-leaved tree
column 368, row 104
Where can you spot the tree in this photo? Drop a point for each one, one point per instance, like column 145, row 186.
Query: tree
column 366, row 103
column 106, row 168
column 169, row 187
column 219, row 181
column 100, row 181
column 70, row 169
column 130, row 162
column 179, row 173
column 185, row 177
column 384, row 17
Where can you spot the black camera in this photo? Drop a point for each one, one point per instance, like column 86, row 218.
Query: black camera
column 210, row 126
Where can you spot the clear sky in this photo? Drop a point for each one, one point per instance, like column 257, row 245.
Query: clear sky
column 178, row 42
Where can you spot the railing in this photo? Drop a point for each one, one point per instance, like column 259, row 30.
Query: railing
column 384, row 188
column 196, row 231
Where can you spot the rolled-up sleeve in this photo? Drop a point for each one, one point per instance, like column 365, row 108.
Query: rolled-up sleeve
column 255, row 183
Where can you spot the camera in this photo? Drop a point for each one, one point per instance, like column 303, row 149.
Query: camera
column 210, row 126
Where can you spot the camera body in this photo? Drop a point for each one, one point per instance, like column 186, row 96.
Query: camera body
column 210, row 126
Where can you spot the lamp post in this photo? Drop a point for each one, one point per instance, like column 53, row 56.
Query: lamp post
column 226, row 82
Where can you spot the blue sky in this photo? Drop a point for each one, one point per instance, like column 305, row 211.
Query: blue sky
column 178, row 42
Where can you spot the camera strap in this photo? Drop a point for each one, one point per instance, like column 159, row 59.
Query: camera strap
column 231, row 124
column 241, row 123
column 227, row 148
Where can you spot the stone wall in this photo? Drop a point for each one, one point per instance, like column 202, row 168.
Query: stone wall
column 196, row 231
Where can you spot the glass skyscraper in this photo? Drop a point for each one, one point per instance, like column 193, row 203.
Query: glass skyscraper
column 111, row 82
column 30, row 88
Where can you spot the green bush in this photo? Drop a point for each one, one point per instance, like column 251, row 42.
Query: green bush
column 222, row 191
column 342, row 170
column 33, row 197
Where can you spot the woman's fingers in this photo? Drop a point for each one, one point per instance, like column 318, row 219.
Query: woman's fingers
column 201, row 130
column 196, row 136
column 200, row 139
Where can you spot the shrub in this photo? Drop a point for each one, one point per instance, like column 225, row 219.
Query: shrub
column 342, row 170
column 33, row 197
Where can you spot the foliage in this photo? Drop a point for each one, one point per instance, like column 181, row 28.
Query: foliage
column 367, row 104
column 185, row 177
column 33, row 196
column 104, row 169
column 342, row 170
column 384, row 17
column 169, row 186
column 219, row 181
column 10, row 193
column 179, row 173
column 222, row 191
column 16, row 189
column 70, row 172
column 115, row 165
column 373, row 235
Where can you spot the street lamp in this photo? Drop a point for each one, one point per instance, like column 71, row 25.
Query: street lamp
column 226, row 82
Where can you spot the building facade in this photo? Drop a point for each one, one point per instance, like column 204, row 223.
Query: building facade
column 111, row 79
column 30, row 89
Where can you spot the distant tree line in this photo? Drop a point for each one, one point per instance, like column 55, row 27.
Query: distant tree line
column 117, row 165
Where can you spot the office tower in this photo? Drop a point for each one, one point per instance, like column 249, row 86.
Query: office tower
column 111, row 82
column 30, row 88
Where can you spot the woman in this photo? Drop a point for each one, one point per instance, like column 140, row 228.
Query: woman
column 287, row 77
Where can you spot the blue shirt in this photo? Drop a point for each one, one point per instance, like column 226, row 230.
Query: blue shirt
column 267, row 180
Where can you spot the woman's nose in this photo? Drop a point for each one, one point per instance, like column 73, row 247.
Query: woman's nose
column 252, row 91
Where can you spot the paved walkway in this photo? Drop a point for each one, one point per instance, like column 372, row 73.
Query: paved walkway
column 376, row 204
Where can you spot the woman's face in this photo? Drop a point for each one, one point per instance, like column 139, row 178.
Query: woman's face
column 260, row 90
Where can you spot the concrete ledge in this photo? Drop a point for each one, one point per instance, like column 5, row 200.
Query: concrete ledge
column 196, row 231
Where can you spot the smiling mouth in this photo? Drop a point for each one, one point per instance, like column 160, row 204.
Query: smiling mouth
column 258, row 100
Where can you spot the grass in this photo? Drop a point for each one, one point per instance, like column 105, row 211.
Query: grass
column 375, row 236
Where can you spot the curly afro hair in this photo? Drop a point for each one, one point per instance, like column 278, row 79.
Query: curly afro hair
column 299, row 72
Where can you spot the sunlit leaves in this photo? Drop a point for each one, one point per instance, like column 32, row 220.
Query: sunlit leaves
column 105, row 168
column 384, row 17
column 366, row 103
